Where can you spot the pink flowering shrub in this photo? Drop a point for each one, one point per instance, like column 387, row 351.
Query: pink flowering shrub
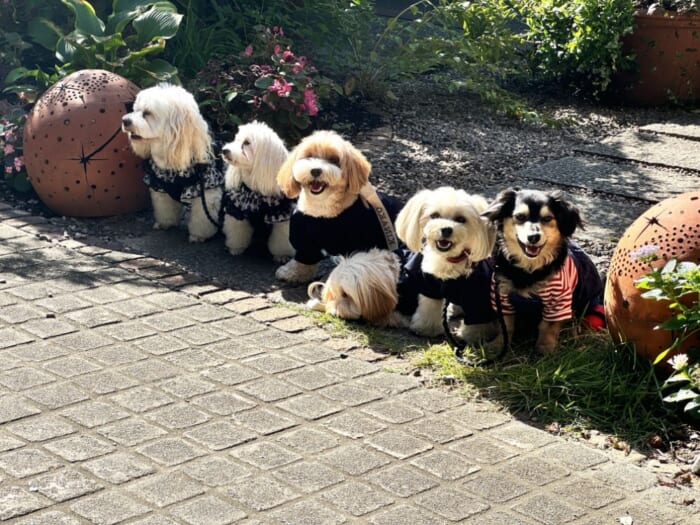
column 267, row 81
column 11, row 129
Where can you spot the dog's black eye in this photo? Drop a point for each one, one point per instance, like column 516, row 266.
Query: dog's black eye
column 344, row 295
column 246, row 142
column 334, row 160
column 460, row 219
column 546, row 219
column 520, row 217
column 146, row 114
column 435, row 215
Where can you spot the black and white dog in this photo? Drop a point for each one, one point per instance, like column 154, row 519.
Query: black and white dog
column 538, row 269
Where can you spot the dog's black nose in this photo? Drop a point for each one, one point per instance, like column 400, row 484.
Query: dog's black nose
column 126, row 121
column 534, row 238
column 446, row 232
column 226, row 152
column 316, row 172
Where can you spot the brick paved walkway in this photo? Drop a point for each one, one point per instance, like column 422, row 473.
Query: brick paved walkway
column 132, row 394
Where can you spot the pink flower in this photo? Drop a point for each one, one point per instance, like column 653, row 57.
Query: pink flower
column 8, row 169
column 248, row 50
column 19, row 162
column 310, row 101
column 281, row 87
column 277, row 49
column 9, row 148
column 278, row 30
column 287, row 56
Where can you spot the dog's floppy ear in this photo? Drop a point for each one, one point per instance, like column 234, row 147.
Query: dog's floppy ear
column 567, row 214
column 356, row 168
column 269, row 153
column 485, row 236
column 409, row 226
column 377, row 299
column 502, row 206
column 186, row 134
column 285, row 176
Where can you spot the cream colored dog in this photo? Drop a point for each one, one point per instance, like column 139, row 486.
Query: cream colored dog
column 252, row 197
column 327, row 173
column 167, row 129
column 447, row 239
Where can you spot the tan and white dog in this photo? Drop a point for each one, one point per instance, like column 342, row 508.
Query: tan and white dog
column 167, row 129
column 540, row 274
column 252, row 198
column 328, row 175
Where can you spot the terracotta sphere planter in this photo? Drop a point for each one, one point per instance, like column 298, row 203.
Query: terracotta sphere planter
column 667, row 50
column 673, row 225
column 77, row 159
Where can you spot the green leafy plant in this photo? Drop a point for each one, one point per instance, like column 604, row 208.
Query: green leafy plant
column 660, row 6
column 677, row 283
column 266, row 81
column 11, row 126
column 126, row 44
column 578, row 41
column 478, row 50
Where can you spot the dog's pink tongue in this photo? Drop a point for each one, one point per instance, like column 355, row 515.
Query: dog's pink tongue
column 316, row 186
column 532, row 250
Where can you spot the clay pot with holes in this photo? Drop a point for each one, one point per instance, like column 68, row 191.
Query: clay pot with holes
column 673, row 226
column 78, row 160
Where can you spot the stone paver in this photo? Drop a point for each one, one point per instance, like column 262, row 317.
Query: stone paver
column 125, row 401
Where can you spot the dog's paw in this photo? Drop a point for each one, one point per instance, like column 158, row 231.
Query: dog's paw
column 425, row 329
column 281, row 258
column 546, row 347
column 196, row 239
column 295, row 272
column 236, row 250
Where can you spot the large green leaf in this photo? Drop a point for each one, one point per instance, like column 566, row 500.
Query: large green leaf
column 154, row 24
column 126, row 11
column 86, row 19
column 159, row 71
column 65, row 50
column 44, row 32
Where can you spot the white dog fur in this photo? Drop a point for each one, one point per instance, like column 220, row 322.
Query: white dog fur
column 254, row 158
column 423, row 225
column 445, row 226
column 167, row 127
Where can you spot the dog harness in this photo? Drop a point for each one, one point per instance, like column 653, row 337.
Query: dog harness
column 571, row 291
column 355, row 228
column 185, row 185
column 244, row 204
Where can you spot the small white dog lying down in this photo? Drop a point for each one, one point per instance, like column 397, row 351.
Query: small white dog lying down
column 252, row 199
column 449, row 245
column 167, row 130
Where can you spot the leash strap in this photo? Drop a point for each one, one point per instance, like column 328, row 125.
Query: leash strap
column 459, row 346
column 369, row 195
column 217, row 223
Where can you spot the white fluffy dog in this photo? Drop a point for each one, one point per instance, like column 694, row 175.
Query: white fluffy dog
column 448, row 240
column 167, row 130
column 252, row 197
column 328, row 174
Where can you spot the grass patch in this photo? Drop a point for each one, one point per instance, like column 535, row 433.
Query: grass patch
column 590, row 383
column 395, row 342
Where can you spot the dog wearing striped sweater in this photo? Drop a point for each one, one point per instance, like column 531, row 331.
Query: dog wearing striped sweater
column 538, row 270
